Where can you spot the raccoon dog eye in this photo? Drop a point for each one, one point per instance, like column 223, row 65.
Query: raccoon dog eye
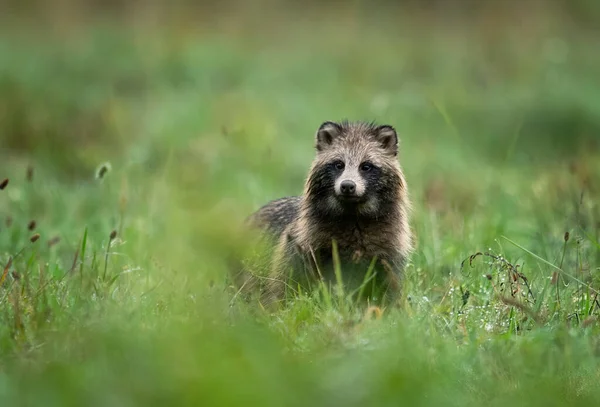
column 366, row 167
column 338, row 165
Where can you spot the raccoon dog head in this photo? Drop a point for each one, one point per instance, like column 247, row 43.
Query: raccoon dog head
column 355, row 171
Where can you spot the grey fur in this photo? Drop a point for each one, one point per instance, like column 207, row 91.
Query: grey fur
column 373, row 224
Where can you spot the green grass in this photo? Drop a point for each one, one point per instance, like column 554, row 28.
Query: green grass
column 201, row 125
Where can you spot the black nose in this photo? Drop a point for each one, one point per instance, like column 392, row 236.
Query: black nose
column 348, row 187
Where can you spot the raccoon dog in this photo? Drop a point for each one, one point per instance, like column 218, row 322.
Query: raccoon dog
column 355, row 199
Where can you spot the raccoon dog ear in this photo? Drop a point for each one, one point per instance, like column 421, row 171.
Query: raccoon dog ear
column 388, row 138
column 327, row 132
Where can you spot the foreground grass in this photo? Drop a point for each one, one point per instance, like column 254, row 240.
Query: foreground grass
column 131, row 305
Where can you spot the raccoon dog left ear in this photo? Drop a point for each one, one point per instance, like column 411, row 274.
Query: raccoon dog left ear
column 388, row 138
column 327, row 132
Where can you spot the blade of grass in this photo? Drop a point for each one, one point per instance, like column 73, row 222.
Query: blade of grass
column 446, row 116
column 368, row 277
column 337, row 268
column 550, row 264
column 514, row 140
column 83, row 246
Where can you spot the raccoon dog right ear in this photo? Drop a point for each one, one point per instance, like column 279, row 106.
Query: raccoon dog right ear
column 327, row 132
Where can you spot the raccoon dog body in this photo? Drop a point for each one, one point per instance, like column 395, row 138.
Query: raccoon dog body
column 356, row 195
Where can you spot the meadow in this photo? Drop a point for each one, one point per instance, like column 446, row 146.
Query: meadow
column 132, row 147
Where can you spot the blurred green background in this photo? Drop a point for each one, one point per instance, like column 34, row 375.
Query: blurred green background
column 203, row 112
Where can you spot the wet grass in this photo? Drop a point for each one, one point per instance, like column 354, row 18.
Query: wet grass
column 113, row 288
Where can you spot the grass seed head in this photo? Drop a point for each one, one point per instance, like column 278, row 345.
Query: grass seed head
column 589, row 321
column 34, row 238
column 554, row 278
column 31, row 225
column 102, row 170
column 4, row 183
column 53, row 241
column 29, row 175
column 113, row 235
column 566, row 236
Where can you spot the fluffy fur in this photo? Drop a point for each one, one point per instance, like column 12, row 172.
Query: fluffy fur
column 356, row 195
